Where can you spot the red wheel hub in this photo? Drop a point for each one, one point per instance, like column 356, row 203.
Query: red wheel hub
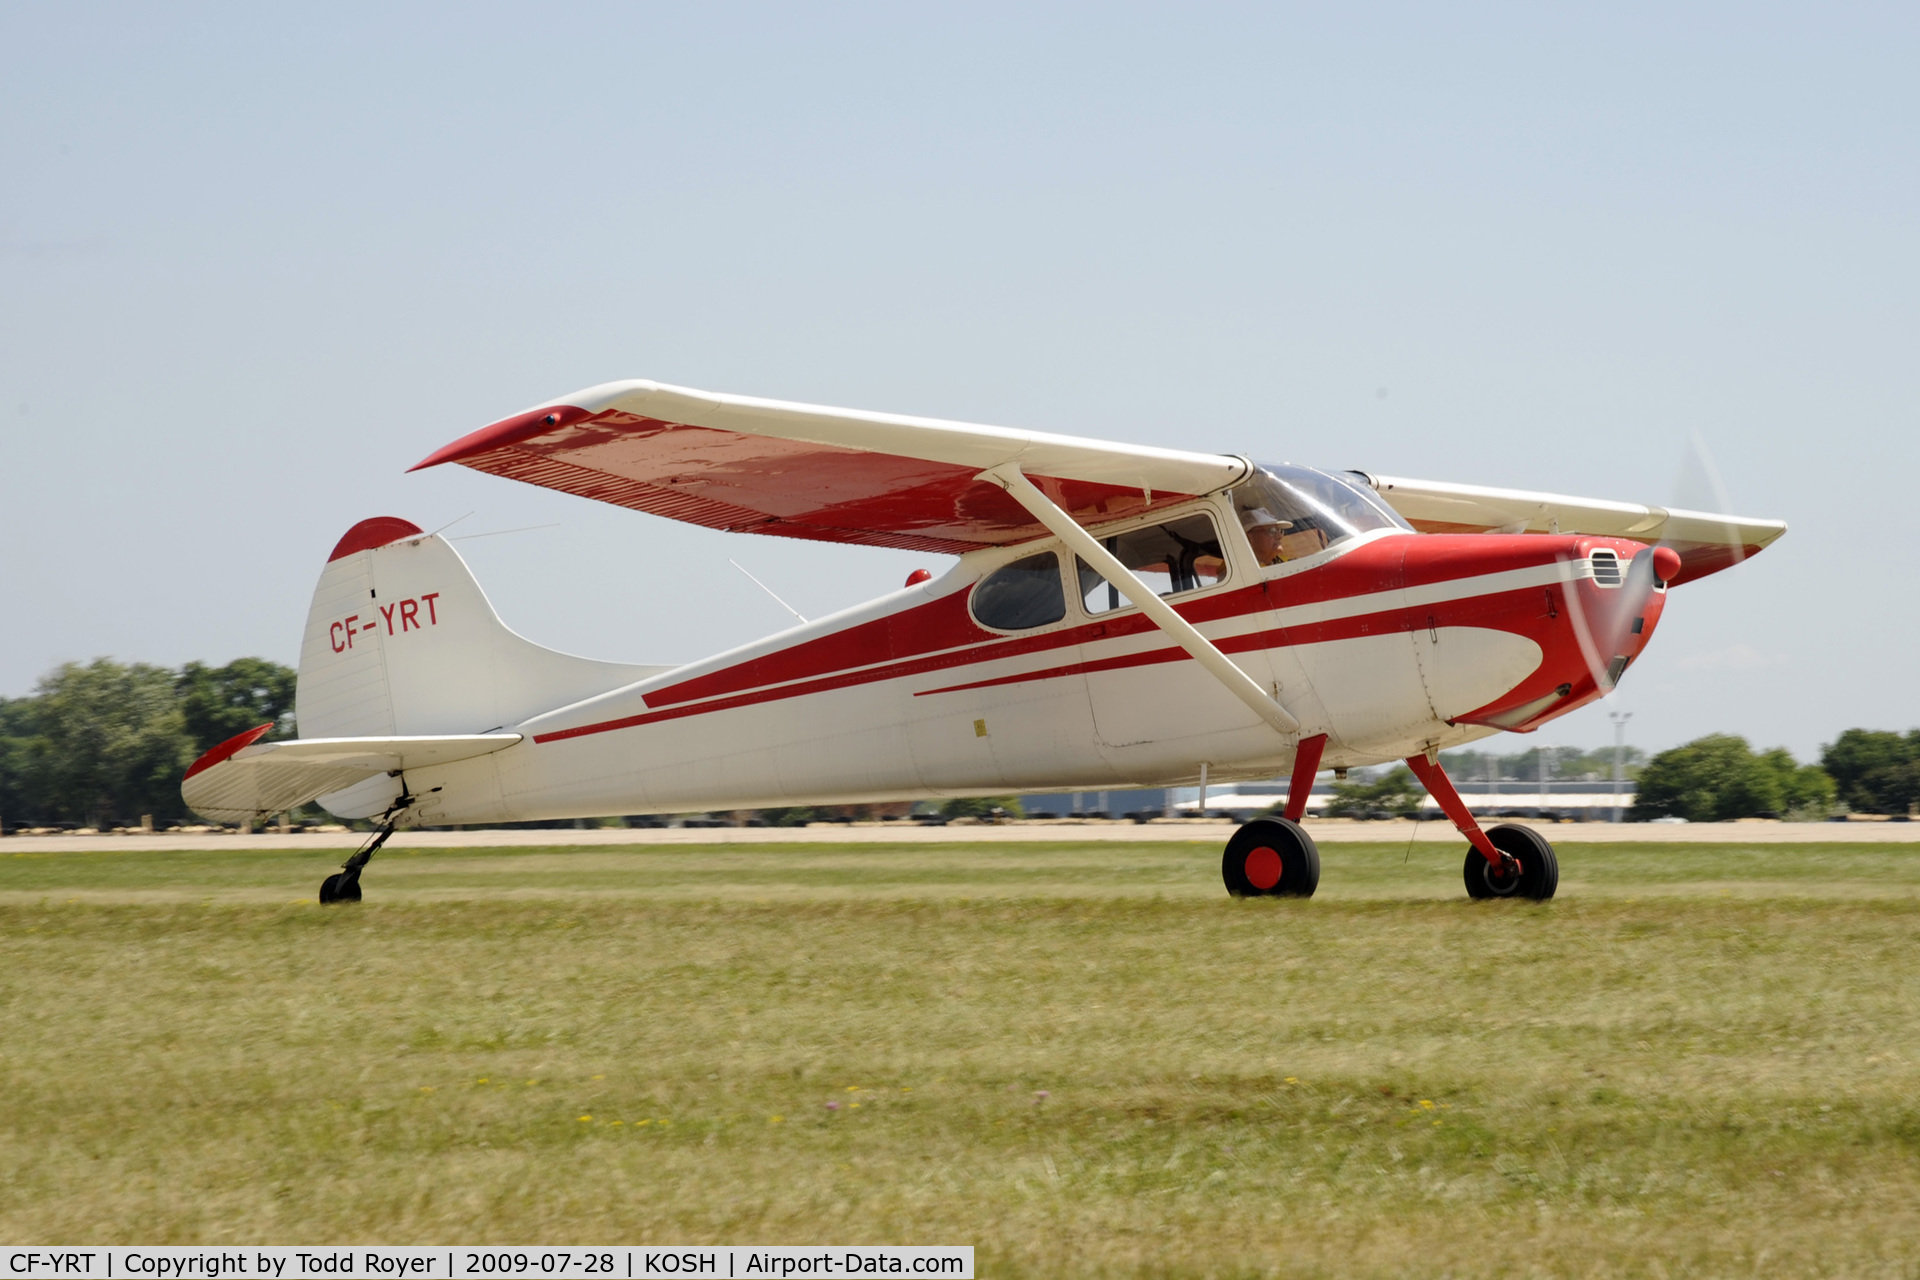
column 1263, row 868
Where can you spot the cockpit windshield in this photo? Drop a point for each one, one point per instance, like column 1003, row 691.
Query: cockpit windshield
column 1291, row 512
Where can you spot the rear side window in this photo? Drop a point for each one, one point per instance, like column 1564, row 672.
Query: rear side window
column 1170, row 558
column 1026, row 593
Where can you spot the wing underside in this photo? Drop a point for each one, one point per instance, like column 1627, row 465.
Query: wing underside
column 834, row 475
column 749, row 465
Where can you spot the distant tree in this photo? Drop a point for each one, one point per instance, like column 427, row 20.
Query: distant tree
column 218, row 702
column 1595, row 765
column 110, row 742
column 797, row 816
column 1465, row 766
column 1806, row 790
column 1395, row 793
column 981, row 806
column 1876, row 771
column 1566, row 763
column 105, row 741
column 1718, row 777
column 19, row 725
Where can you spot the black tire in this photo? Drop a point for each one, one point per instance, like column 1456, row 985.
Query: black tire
column 1539, row 875
column 337, row 888
column 1271, row 858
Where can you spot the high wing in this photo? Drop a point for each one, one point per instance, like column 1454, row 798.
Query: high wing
column 834, row 475
column 246, row 779
column 750, row 465
column 1707, row 542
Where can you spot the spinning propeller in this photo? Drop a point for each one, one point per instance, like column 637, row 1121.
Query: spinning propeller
column 1709, row 540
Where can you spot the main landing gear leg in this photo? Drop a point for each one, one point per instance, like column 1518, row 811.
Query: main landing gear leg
column 344, row 884
column 1506, row 861
column 1306, row 767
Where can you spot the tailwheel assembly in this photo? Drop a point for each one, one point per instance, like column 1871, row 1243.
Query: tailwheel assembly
column 344, row 884
column 1271, row 858
column 1528, row 868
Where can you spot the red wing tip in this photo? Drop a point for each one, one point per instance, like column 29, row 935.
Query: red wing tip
column 507, row 431
column 227, row 749
column 377, row 532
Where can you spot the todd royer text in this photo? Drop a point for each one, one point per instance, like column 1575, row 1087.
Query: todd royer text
column 442, row 1262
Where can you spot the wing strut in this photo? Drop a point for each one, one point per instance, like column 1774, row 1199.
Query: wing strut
column 1237, row 682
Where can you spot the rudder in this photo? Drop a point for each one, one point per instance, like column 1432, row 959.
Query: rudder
column 400, row 640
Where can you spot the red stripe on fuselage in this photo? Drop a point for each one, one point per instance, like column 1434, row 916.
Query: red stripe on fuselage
column 1478, row 610
column 941, row 634
column 939, row 627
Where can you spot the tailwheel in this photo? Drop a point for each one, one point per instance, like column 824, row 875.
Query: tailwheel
column 344, row 884
column 1271, row 858
column 1535, row 877
column 338, row 888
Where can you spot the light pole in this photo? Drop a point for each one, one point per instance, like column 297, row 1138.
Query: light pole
column 1619, row 719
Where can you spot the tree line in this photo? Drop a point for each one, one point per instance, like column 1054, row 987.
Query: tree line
column 1711, row 779
column 105, row 743
column 1562, row 764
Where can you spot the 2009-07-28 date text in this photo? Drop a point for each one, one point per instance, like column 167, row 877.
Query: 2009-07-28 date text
column 544, row 1263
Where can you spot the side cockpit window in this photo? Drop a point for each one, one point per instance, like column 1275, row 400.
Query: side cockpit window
column 1024, row 594
column 1180, row 556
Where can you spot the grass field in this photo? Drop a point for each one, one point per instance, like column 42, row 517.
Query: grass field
column 1083, row 1059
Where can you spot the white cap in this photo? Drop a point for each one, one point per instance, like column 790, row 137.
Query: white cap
column 1257, row 517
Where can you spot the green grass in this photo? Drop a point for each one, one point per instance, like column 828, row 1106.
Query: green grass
column 1083, row 1059
column 1092, row 869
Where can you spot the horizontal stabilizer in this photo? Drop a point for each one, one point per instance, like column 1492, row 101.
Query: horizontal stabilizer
column 1706, row 542
column 244, row 779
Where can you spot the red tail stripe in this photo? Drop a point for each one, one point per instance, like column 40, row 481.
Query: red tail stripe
column 377, row 532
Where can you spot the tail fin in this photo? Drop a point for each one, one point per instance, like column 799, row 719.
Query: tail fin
column 401, row 641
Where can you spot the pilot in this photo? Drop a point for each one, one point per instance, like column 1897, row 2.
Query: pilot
column 1264, row 533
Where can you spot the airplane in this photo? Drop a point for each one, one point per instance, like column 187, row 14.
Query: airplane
column 1119, row 616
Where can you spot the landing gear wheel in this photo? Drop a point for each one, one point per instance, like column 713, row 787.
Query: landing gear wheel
column 338, row 888
column 1537, row 878
column 1271, row 858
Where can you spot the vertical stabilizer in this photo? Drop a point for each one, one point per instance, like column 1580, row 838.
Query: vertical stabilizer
column 401, row 640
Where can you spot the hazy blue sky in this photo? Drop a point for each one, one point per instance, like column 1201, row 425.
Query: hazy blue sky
column 256, row 261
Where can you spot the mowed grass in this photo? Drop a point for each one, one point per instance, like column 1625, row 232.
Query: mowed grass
column 1083, row 1059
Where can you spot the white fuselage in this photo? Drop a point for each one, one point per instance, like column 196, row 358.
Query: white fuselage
column 1381, row 643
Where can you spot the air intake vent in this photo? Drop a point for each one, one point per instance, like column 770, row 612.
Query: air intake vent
column 1606, row 569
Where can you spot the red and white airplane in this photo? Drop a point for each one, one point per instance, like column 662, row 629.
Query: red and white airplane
column 1119, row 616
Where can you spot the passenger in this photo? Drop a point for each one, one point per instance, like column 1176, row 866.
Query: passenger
column 1264, row 533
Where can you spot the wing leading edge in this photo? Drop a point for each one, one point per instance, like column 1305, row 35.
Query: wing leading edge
column 834, row 475
column 1707, row 542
